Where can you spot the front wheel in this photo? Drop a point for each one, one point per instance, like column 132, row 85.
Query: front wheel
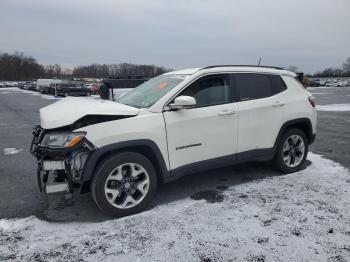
column 292, row 151
column 124, row 184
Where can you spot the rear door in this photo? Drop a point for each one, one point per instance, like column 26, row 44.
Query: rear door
column 260, row 109
column 208, row 131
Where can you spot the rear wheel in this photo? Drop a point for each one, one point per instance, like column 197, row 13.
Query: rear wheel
column 292, row 151
column 124, row 184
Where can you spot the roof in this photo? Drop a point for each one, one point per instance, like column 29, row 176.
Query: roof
column 234, row 68
column 188, row 71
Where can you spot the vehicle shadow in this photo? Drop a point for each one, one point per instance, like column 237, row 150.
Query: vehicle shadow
column 205, row 185
column 213, row 182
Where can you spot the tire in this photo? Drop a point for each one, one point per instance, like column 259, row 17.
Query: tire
column 105, row 177
column 287, row 148
column 66, row 94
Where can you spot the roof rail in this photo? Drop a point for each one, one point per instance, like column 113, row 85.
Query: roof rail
column 213, row 66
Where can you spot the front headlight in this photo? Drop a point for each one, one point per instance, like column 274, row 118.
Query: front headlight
column 62, row 140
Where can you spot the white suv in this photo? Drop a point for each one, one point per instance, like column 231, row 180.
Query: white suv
column 177, row 123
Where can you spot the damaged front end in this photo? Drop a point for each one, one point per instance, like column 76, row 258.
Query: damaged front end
column 61, row 159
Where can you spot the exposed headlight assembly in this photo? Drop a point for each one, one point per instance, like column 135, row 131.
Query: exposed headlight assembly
column 62, row 139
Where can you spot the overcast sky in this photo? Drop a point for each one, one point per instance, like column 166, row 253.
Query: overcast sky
column 310, row 34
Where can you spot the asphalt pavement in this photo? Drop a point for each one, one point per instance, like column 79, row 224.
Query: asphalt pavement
column 20, row 197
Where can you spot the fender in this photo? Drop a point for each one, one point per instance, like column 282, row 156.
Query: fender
column 306, row 122
column 95, row 157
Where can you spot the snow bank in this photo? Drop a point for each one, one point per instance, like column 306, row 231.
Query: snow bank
column 323, row 93
column 11, row 151
column 15, row 90
column 297, row 217
column 333, row 107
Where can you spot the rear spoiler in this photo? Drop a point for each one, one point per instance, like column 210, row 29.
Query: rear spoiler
column 300, row 77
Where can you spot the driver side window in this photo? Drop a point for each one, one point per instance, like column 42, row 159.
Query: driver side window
column 209, row 91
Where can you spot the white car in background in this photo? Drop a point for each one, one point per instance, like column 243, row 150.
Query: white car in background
column 43, row 85
column 338, row 84
column 7, row 84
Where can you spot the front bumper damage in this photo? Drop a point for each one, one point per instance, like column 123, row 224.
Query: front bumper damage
column 59, row 169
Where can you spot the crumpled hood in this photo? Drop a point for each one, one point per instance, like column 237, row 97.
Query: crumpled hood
column 68, row 110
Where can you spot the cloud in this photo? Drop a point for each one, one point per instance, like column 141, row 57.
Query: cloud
column 309, row 34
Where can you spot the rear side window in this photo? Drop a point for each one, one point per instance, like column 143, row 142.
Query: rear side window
column 252, row 86
column 277, row 84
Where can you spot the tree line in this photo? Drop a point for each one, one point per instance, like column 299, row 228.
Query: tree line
column 18, row 67
column 336, row 72
column 115, row 70
column 343, row 71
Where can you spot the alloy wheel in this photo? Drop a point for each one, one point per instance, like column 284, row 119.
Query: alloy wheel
column 293, row 150
column 127, row 185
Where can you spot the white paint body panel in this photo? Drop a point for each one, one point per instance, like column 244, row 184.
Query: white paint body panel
column 259, row 123
column 203, row 132
column 53, row 165
column 146, row 125
column 70, row 109
column 57, row 188
column 297, row 104
column 254, row 124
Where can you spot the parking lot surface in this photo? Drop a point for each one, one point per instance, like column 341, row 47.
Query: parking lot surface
column 247, row 212
column 19, row 191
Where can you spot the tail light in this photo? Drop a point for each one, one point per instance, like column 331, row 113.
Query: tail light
column 312, row 100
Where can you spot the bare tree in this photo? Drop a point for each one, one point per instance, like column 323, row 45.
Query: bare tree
column 19, row 67
column 293, row 69
column 346, row 66
column 118, row 70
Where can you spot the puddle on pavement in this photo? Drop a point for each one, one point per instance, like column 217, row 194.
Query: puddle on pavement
column 211, row 196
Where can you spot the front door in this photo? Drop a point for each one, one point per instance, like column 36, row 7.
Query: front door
column 208, row 131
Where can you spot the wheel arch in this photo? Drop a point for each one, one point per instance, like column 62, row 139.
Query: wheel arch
column 304, row 124
column 145, row 147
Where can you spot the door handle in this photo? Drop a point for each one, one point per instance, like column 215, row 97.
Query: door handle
column 226, row 112
column 278, row 103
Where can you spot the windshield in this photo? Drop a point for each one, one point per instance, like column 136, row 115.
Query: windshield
column 146, row 94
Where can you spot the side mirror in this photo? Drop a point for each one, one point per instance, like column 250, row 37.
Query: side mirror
column 183, row 102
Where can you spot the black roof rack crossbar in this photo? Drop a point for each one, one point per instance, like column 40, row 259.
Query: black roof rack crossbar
column 273, row 67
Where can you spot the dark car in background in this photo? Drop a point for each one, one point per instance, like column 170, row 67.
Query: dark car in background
column 29, row 85
column 69, row 89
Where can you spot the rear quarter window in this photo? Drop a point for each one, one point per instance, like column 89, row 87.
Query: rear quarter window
column 277, row 84
column 252, row 86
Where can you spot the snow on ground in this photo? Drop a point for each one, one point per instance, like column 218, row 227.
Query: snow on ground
column 9, row 90
column 303, row 216
column 15, row 90
column 333, row 107
column 322, row 93
column 11, row 151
